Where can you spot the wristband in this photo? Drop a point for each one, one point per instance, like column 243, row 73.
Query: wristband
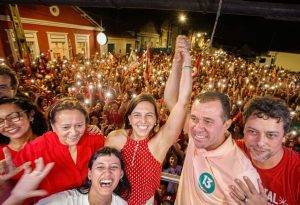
column 187, row 67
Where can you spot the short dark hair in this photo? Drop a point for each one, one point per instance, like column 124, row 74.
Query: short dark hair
column 39, row 123
column 5, row 70
column 134, row 102
column 123, row 188
column 213, row 96
column 268, row 107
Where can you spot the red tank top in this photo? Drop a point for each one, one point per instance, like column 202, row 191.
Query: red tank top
column 142, row 169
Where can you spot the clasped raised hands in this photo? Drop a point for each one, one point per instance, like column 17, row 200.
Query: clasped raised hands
column 182, row 55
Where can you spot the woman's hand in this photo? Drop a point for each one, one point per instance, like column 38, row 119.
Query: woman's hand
column 26, row 186
column 185, row 87
column 182, row 55
column 7, row 167
column 94, row 129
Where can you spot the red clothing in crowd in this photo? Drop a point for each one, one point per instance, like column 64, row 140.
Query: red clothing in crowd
column 282, row 182
column 12, row 152
column 65, row 174
column 142, row 169
column 114, row 118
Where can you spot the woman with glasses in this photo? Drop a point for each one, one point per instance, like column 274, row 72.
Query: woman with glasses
column 20, row 122
column 69, row 146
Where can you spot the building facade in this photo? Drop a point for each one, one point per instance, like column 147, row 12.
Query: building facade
column 63, row 31
column 118, row 44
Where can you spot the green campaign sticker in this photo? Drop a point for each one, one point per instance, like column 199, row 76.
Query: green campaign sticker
column 206, row 183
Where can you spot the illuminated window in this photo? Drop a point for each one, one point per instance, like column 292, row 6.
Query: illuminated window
column 31, row 39
column 58, row 45
column 82, row 45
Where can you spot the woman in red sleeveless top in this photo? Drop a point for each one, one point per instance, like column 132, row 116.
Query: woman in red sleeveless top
column 142, row 143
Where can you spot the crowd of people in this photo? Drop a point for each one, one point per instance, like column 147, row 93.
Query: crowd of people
column 59, row 113
column 106, row 84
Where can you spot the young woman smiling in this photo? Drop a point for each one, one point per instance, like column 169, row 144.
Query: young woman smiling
column 143, row 145
column 69, row 146
column 20, row 122
column 105, row 183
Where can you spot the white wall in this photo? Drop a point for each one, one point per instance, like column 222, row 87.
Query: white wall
column 120, row 44
column 289, row 61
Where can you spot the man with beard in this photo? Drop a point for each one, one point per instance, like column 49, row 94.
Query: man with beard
column 267, row 120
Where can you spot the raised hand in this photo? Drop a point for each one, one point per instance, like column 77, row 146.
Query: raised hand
column 181, row 60
column 177, row 59
column 26, row 186
column 185, row 87
column 7, row 167
column 181, row 51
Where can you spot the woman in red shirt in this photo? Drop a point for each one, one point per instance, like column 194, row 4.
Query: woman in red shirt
column 69, row 146
column 20, row 122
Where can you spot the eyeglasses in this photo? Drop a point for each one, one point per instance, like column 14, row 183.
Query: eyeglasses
column 12, row 117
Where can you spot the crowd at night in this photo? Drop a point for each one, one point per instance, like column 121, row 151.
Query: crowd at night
column 174, row 119
column 150, row 102
column 105, row 85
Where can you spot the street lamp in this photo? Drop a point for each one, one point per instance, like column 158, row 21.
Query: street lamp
column 182, row 18
column 101, row 38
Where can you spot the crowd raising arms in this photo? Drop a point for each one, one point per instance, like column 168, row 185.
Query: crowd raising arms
column 58, row 122
column 141, row 140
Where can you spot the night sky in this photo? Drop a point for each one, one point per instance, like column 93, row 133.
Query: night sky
column 233, row 31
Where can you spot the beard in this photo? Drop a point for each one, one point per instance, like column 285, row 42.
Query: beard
column 259, row 154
